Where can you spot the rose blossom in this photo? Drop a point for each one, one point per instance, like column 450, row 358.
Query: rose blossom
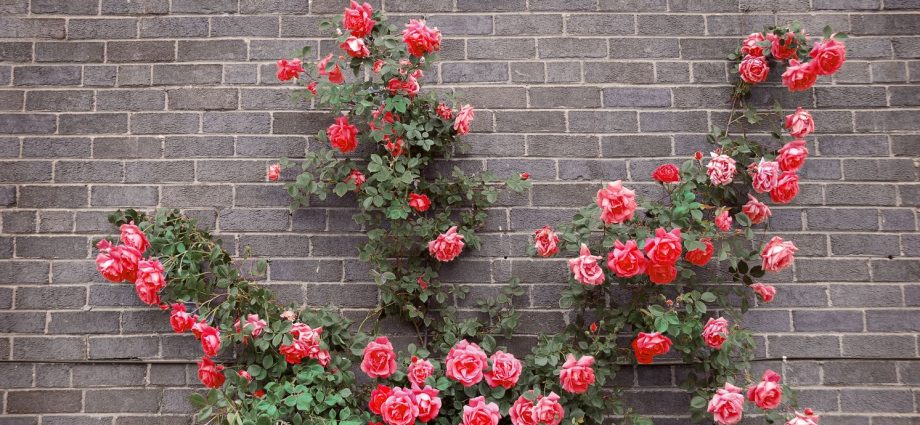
column 150, row 281
column 505, row 371
column 749, row 45
column 715, row 332
column 548, row 411
column 724, row 221
column 444, row 112
column 765, row 292
column 305, row 343
column 447, row 246
column 210, row 374
column 465, row 363
column 289, row 315
column 420, row 39
column 418, row 371
column 395, row 148
column 665, row 247
column 379, row 358
column 721, row 169
column 463, row 120
column 755, row 210
column 521, row 412
column 777, row 254
column 799, row 76
column 800, row 123
column 394, row 85
column 399, row 408
column 244, row 374
column 210, row 340
column 355, row 47
column 378, row 396
column 312, row 87
column 666, row 173
column 411, row 86
column 180, row 320
column 792, row 155
column 767, row 394
column 784, row 48
column 274, row 172
column 355, row 177
column 546, row 242
column 585, row 269
column 648, row 345
column 764, row 175
column 342, row 135
column 727, row 405
column 428, row 403
column 358, row 20
column 577, row 376
column 753, row 69
column 253, row 321
column 829, row 56
column 807, row 418
column 117, row 263
column 786, row 189
column 378, row 65
column 288, row 69
column 132, row 236
column 418, row 202
column 661, row 273
column 699, row 257
column 478, row 412
column 626, row 260
column 617, row 203
column 335, row 75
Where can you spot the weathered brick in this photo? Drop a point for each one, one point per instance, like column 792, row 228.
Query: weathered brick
column 84, row 322
column 44, row 401
column 173, row 27
column 36, row 28
column 52, row 196
column 130, row 100
column 91, row 29
column 93, row 123
column 165, row 123
column 619, row 72
column 178, row 75
column 15, row 51
column 46, row 75
column 199, row 50
column 134, row 7
column 70, row 52
column 60, row 100
column 458, row 72
column 122, row 400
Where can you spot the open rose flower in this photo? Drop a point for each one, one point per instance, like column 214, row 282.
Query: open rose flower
column 585, row 268
column 411, row 86
column 661, row 273
column 254, row 325
column 358, row 19
column 210, row 374
column 765, row 292
column 799, row 76
column 465, row 363
column 800, row 123
column 828, row 56
column 505, row 370
column 210, row 340
column 444, row 112
column 132, row 236
column 754, row 69
column 792, row 155
column 764, row 175
column 379, row 395
column 749, row 45
column 617, row 203
column 626, row 260
column 357, row 178
column 478, row 412
column 150, row 281
column 343, row 135
column 783, row 47
column 399, row 408
column 418, row 371
column 419, row 202
column 577, row 376
column 715, row 332
column 699, row 257
column 546, row 242
column 648, row 345
column 665, row 247
column 447, row 246
column 274, row 172
column 464, row 119
column 666, row 173
column 768, row 393
column 379, row 358
column 755, row 210
column 335, row 74
column 548, row 410
column 720, row 169
column 180, row 320
column 305, row 344
column 777, row 254
column 420, row 39
column 787, row 188
column 355, row 47
column 724, row 221
column 521, row 412
column 117, row 263
column 288, row 69
column 727, row 405
column 807, row 418
column 428, row 403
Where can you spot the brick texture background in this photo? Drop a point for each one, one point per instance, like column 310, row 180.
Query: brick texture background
column 174, row 103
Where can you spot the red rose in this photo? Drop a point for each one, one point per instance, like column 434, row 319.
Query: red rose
column 399, row 408
column 764, row 175
column 464, row 119
column 420, row 203
column 358, row 20
column 394, row 147
column 420, row 39
column 150, row 281
column 753, row 69
column 210, row 340
column 465, row 363
column 357, row 178
column 379, row 358
column 749, row 45
column 428, row 403
column 521, row 412
column 505, row 371
column 765, row 292
column 411, row 86
column 419, row 370
column 755, row 210
column 312, row 87
column 132, row 236
column 661, row 273
column 724, row 221
column 355, row 47
column 792, row 156
column 447, row 246
column 648, row 345
column 665, row 247
column 799, row 76
column 180, row 320
column 288, row 69
column 777, row 254
column 117, row 263
column 274, row 172
column 210, row 374
column 394, row 85
column 378, row 65
column 342, row 135
column 577, row 376
column 444, row 112
column 699, row 257
column 378, row 396
column 800, row 123
column 546, row 242
column 786, row 189
column 715, row 332
column 666, row 173
column 335, row 74
column 783, row 48
column 828, row 56
column 626, row 260
column 768, row 393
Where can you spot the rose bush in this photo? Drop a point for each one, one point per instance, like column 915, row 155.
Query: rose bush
column 299, row 365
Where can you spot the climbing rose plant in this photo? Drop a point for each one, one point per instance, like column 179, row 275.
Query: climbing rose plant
column 660, row 263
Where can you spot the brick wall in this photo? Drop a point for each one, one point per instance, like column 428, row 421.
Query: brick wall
column 174, row 103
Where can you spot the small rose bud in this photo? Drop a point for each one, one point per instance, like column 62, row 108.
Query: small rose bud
column 669, row 303
column 698, row 156
column 594, row 327
column 525, row 176
column 414, row 359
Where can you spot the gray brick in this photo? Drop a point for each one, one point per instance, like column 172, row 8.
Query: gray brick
column 141, row 51
column 121, row 400
column 50, row 297
column 180, row 75
column 124, row 196
column 14, row 7
column 846, row 145
column 224, row 50
column 27, row 124
column 859, row 244
column 20, row 322
column 173, row 27
column 46, row 75
column 504, row 48
column 531, row 121
column 672, row 121
column 130, row 100
column 134, row 7
column 207, row 146
column 48, row 348
column 257, row 26
column 457, row 72
column 828, row 321
column 84, row 322
column 629, row 146
column 237, row 122
column 602, row 122
column 133, row 75
column 159, row 171
column 93, row 123
column 528, row 24
column 205, row 6
column 44, row 401
column 258, row 220
column 36, row 28
column 842, row 219
column 197, row 196
column 73, row 7
column 876, row 400
column 796, row 346
column 891, row 321
column 15, row 51
column 818, row 270
column 572, row 47
column 164, row 123
column 69, row 100
column 878, row 346
column 52, row 196
column 70, row 52
column 895, row 270
column 565, row 97
column 122, row 347
column 203, row 99
column 640, row 97
column 282, row 245
column 880, row 170
column 273, row 49
column 25, row 171
column 91, row 29
column 88, row 171
column 16, row 375
column 619, row 72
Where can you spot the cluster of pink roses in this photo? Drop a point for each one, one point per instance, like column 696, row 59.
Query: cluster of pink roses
column 124, row 263
column 305, row 344
column 826, row 57
column 727, row 404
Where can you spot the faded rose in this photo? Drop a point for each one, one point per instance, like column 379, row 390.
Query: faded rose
column 768, row 393
column 342, row 135
column 828, row 56
column 546, row 241
column 807, row 418
column 132, row 236
column 505, row 370
column 548, row 411
column 428, row 403
column 379, row 358
column 357, row 178
column 447, row 246
column 721, row 169
column 464, row 119
column 715, row 332
column 355, row 47
column 617, row 203
column 800, row 123
column 648, row 345
column 274, row 172
column 577, row 376
column 585, row 268
column 521, row 412
column 626, row 260
column 418, row 371
column 465, row 363
column 764, row 175
column 724, row 221
column 727, row 405
column 777, row 254
column 755, row 210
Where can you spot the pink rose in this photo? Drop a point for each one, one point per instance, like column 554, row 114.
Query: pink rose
column 648, row 345
column 244, row 374
column 768, row 393
column 274, row 172
column 420, row 39
column 428, row 403
column 749, row 45
column 411, row 87
column 358, row 19
column 355, row 47
column 418, row 371
column 792, row 155
column 577, row 376
column 447, row 246
column 626, row 260
column 521, row 412
column 444, row 112
column 465, row 363
column 288, row 69
column 379, row 358
column 783, row 48
column 665, row 247
column 305, row 343
column 661, row 273
column 357, row 178
column 799, row 76
column 548, row 411
column 699, row 257
column 764, row 175
column 786, row 189
column 829, row 56
column 721, row 169
column 399, row 408
column 666, row 173
column 807, row 418
column 765, row 292
column 800, row 123
column 117, row 263
column 312, row 87
column 755, row 210
column 180, row 320
column 585, row 268
column 727, row 405
column 150, row 281
column 419, row 202
column 478, row 412
column 379, row 395
column 724, row 221
column 715, row 332
column 342, row 135
column 464, row 119
column 777, row 254
column 505, row 371
column 254, row 323
column 617, row 203
column 545, row 241
column 132, row 236
column 335, row 74
column 210, row 374
column 210, row 340
column 753, row 69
